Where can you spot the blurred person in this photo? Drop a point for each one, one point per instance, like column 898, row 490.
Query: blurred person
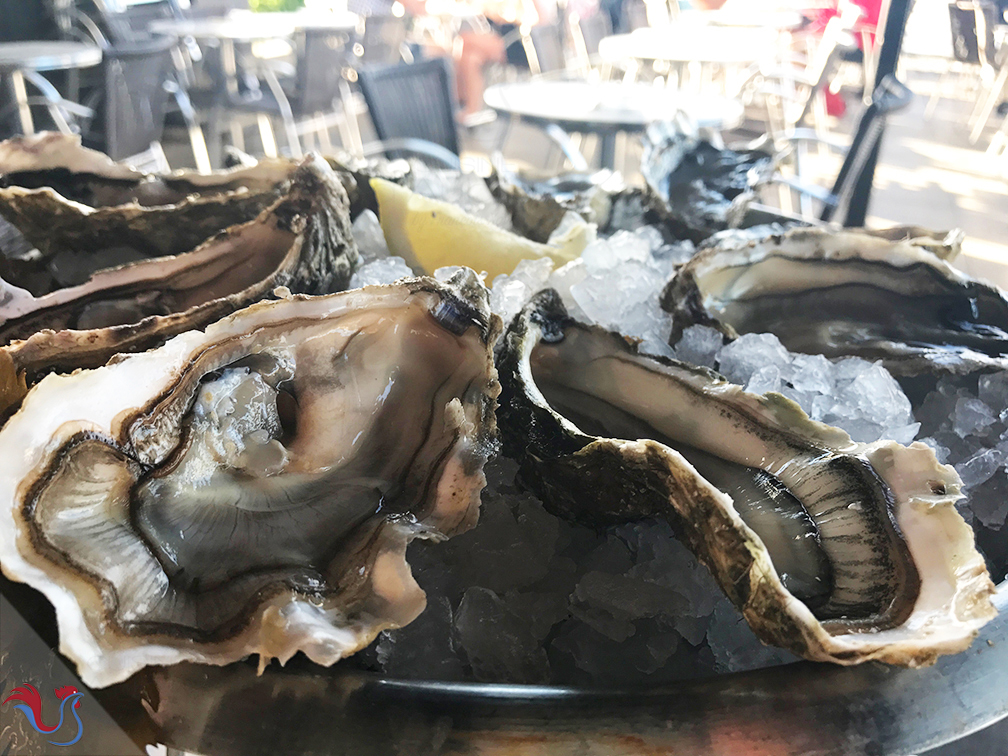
column 871, row 10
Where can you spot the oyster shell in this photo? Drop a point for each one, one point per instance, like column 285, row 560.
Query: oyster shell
column 356, row 173
column 537, row 207
column 84, row 212
column 835, row 550
column 251, row 489
column 846, row 292
column 694, row 188
column 303, row 242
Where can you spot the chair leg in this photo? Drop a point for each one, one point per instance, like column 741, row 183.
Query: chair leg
column 356, row 142
column 196, row 138
column 938, row 93
column 322, row 130
column 290, row 128
column 237, row 135
column 266, row 135
column 997, row 90
column 21, row 97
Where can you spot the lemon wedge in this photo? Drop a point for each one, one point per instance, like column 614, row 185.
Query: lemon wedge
column 430, row 234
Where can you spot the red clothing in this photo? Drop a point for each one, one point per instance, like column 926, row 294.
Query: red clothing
column 871, row 11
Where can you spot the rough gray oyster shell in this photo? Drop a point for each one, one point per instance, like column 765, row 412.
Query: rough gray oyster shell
column 537, row 207
column 694, row 188
column 251, row 489
column 303, row 242
column 835, row 550
column 847, row 292
column 84, row 212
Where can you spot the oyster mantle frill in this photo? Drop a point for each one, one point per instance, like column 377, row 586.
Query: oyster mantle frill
column 251, row 489
column 835, row 550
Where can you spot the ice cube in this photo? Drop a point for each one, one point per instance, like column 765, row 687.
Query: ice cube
column 811, row 373
column 993, row 390
column 384, row 270
column 699, row 345
column 750, row 352
column 941, row 452
column 370, row 238
column 767, row 378
column 499, row 644
column 534, row 273
column 445, row 272
column 980, row 467
column 971, row 416
column 507, row 297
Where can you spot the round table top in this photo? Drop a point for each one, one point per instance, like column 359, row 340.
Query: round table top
column 748, row 18
column 45, row 55
column 684, row 43
column 247, row 27
column 610, row 106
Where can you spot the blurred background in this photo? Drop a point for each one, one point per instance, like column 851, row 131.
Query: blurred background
column 546, row 87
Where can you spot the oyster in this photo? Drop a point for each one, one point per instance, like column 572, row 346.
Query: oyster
column 835, row 550
column 538, row 207
column 251, row 489
column 84, row 212
column 303, row 242
column 846, row 292
column 696, row 189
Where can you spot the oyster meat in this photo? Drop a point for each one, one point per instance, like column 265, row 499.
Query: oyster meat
column 846, row 292
column 303, row 242
column 251, row 489
column 835, row 550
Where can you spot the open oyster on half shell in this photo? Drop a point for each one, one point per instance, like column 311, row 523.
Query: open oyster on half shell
column 303, row 241
column 251, row 489
column 835, row 550
column 84, row 212
column 846, row 292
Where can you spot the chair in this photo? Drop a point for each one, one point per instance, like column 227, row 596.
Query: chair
column 323, row 64
column 889, row 97
column 791, row 94
column 130, row 26
column 544, row 48
column 132, row 112
column 586, row 33
column 973, row 51
column 383, row 41
column 412, row 107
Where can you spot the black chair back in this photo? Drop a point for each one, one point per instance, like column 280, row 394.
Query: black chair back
column 131, row 23
column 382, row 41
column 547, row 52
column 133, row 108
column 973, row 31
column 321, row 60
column 594, row 29
column 412, row 100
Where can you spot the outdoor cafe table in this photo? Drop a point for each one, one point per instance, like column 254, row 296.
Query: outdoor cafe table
column 608, row 108
column 252, row 27
column 682, row 43
column 41, row 55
